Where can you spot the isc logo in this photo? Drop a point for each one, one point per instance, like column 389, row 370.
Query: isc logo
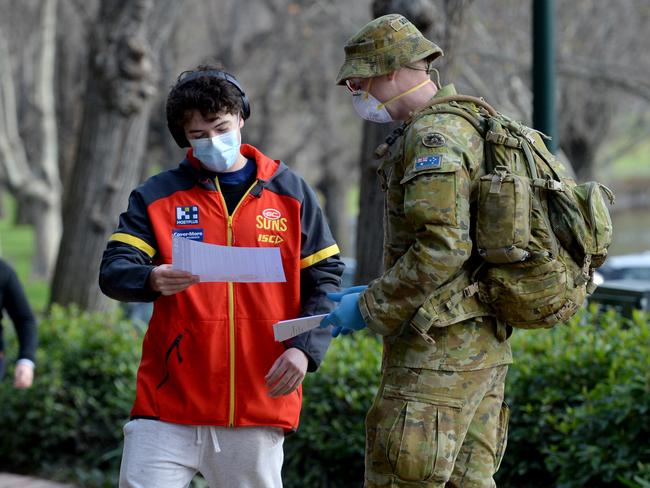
column 270, row 238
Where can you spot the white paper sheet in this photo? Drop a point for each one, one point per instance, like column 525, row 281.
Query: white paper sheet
column 286, row 329
column 227, row 263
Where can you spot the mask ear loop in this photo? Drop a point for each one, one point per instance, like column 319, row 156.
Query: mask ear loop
column 367, row 92
column 436, row 81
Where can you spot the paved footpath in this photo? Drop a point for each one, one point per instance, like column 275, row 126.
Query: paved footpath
column 16, row 481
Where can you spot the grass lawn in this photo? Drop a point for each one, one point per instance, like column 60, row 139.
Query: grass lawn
column 632, row 164
column 16, row 245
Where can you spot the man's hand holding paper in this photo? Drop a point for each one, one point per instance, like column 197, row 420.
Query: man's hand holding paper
column 166, row 280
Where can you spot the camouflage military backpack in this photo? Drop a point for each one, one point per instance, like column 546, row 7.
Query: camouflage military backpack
column 539, row 233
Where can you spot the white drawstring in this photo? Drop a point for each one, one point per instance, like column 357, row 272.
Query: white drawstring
column 215, row 442
column 213, row 436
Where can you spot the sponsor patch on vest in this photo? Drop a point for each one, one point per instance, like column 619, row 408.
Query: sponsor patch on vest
column 428, row 162
column 187, row 215
column 192, row 234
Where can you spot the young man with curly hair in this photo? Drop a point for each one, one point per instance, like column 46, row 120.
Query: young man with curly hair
column 215, row 392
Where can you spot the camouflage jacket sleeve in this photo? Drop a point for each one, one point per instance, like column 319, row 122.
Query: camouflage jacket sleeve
column 428, row 203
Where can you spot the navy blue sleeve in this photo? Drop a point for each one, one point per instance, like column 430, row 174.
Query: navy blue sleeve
column 315, row 282
column 321, row 270
column 128, row 258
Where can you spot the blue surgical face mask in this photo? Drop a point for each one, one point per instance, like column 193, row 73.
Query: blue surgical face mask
column 217, row 153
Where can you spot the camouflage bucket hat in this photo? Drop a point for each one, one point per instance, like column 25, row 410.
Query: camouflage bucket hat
column 384, row 45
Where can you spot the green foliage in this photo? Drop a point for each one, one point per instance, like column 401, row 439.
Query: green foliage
column 328, row 449
column 69, row 423
column 579, row 395
column 580, row 399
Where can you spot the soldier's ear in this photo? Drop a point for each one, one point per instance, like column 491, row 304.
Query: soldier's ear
column 391, row 76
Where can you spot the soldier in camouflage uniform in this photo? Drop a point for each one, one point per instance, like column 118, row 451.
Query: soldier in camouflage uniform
column 439, row 418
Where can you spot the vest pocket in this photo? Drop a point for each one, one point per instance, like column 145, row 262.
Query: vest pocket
column 175, row 345
column 503, row 217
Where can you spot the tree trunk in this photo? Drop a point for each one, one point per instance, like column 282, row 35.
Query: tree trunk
column 370, row 226
column 128, row 38
column 34, row 180
column 71, row 78
column 584, row 130
column 333, row 190
column 45, row 213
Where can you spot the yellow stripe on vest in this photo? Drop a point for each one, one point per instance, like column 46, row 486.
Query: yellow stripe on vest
column 319, row 256
column 134, row 241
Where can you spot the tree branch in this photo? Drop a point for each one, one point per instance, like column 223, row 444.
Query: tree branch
column 620, row 77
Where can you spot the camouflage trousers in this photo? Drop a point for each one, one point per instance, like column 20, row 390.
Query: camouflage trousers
column 430, row 429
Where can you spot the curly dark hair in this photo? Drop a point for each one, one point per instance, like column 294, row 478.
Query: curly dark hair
column 207, row 94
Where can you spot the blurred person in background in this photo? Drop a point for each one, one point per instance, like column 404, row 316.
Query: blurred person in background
column 14, row 302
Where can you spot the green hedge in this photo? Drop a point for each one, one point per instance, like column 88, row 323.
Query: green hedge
column 579, row 394
column 328, row 449
column 580, row 400
column 69, row 424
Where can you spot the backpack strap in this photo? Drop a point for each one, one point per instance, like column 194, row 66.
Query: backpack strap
column 455, row 108
column 451, row 105
column 434, row 107
column 465, row 98
column 472, row 119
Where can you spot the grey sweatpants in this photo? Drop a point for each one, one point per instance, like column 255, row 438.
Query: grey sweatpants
column 165, row 455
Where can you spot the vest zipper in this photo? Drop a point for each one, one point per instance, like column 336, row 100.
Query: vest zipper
column 231, row 303
column 174, row 345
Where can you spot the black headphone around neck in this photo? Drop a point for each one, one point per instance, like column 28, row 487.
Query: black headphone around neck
column 177, row 132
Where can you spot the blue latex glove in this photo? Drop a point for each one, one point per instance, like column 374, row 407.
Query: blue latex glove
column 345, row 318
column 353, row 289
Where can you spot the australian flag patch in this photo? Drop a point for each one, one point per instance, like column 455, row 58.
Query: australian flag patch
column 428, row 162
column 188, row 215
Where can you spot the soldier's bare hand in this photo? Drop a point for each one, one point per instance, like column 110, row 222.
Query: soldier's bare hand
column 169, row 281
column 287, row 372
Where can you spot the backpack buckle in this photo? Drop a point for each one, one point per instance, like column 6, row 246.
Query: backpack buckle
column 591, row 287
column 426, row 337
column 548, row 184
column 420, row 323
column 470, row 290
